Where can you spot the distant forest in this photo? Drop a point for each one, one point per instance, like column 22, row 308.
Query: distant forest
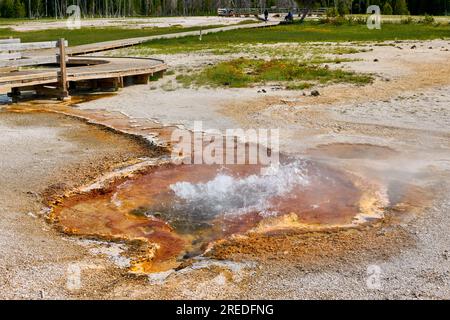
column 121, row 8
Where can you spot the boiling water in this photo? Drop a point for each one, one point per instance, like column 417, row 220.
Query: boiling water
column 182, row 208
column 228, row 195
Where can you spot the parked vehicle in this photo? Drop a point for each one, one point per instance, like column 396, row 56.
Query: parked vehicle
column 225, row 12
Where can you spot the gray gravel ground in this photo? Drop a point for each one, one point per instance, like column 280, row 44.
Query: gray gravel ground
column 38, row 151
column 47, row 152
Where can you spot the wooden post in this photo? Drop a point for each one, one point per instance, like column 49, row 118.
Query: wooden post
column 62, row 76
column 14, row 94
column 141, row 79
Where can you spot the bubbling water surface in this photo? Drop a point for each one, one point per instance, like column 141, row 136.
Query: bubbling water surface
column 183, row 208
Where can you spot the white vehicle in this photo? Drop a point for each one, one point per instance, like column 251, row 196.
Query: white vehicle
column 225, row 12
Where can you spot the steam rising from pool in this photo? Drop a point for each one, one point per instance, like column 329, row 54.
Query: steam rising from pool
column 184, row 208
column 233, row 195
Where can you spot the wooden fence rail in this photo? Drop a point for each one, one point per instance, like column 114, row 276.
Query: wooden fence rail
column 11, row 40
column 29, row 46
column 13, row 56
column 12, row 53
column 9, row 56
column 19, row 61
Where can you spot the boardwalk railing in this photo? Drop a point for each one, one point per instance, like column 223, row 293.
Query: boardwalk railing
column 229, row 12
column 7, row 57
column 27, row 46
column 15, row 54
column 83, row 73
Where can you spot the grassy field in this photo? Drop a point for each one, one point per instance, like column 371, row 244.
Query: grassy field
column 91, row 35
column 310, row 32
column 286, row 33
column 239, row 73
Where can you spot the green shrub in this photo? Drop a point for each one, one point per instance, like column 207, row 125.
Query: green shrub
column 19, row 9
column 7, row 8
column 332, row 12
column 295, row 75
column 408, row 20
column 400, row 8
column 343, row 7
column 387, row 9
column 357, row 20
column 427, row 19
column 12, row 9
column 340, row 21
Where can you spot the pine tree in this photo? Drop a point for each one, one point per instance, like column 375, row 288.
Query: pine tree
column 7, row 9
column 114, row 8
column 387, row 9
column 400, row 7
column 19, row 9
column 343, row 7
column 375, row 2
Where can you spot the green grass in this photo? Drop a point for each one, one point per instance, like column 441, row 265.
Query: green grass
column 317, row 53
column 308, row 32
column 295, row 33
column 239, row 73
column 91, row 35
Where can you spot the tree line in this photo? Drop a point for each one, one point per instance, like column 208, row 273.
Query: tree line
column 404, row 7
column 122, row 8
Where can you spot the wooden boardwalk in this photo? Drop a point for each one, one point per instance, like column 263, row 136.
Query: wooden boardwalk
column 116, row 44
column 95, row 71
column 92, row 69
